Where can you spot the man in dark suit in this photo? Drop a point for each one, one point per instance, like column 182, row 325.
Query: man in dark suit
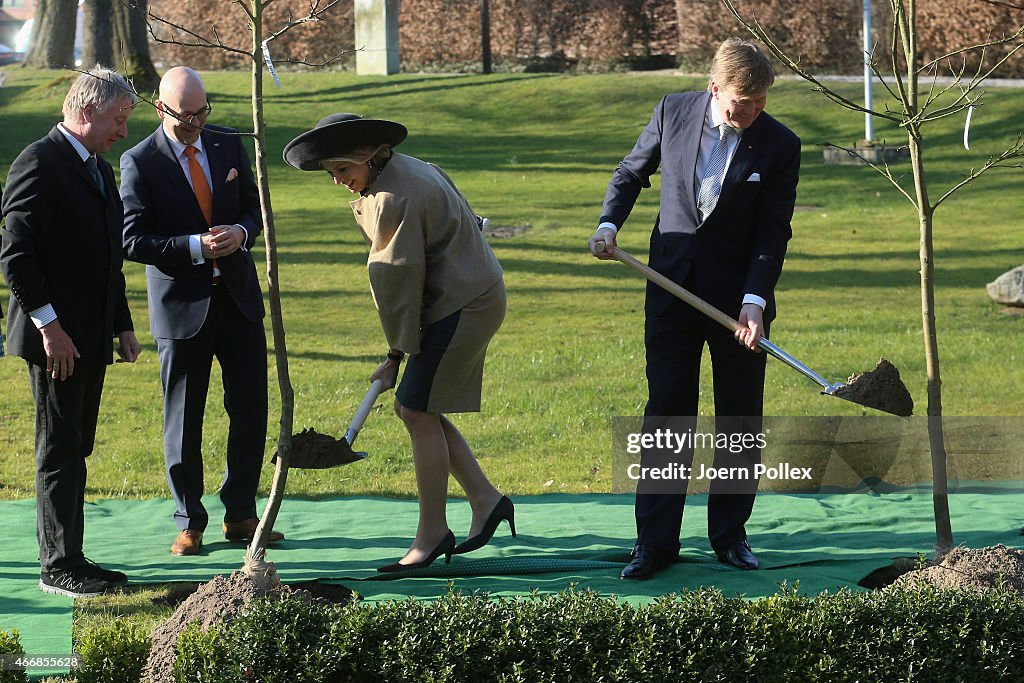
column 729, row 177
column 61, row 256
column 192, row 214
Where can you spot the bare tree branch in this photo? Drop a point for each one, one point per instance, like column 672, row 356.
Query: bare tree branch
column 316, row 13
column 884, row 170
column 200, row 41
column 1005, row 40
column 1012, row 157
column 328, row 62
column 999, row 3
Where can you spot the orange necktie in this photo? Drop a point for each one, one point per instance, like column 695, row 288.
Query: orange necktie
column 200, row 185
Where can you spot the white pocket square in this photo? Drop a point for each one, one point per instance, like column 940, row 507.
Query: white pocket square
column 754, row 178
column 232, row 174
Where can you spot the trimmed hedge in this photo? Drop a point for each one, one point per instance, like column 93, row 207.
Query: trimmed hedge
column 921, row 634
column 10, row 644
column 112, row 654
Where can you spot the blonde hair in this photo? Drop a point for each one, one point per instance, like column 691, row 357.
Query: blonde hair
column 373, row 155
column 100, row 87
column 740, row 66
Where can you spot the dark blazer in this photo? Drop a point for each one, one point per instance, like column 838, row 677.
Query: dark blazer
column 62, row 246
column 741, row 246
column 160, row 211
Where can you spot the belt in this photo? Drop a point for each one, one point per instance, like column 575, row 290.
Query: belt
column 217, row 279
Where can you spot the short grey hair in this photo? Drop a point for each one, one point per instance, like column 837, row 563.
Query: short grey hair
column 100, row 87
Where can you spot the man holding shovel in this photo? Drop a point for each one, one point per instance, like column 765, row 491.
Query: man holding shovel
column 729, row 177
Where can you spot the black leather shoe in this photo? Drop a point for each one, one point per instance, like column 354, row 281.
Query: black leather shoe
column 445, row 547
column 647, row 561
column 739, row 555
column 503, row 511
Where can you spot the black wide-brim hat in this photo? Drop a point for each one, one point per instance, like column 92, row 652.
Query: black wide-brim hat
column 338, row 134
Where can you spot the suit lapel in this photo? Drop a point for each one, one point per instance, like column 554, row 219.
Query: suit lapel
column 694, row 131
column 75, row 161
column 173, row 173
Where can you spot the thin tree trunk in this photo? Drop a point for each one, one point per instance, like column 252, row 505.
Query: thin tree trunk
column 97, row 36
column 936, row 438
column 131, row 44
column 53, row 35
column 257, row 549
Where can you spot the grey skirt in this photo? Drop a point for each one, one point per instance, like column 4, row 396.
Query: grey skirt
column 446, row 376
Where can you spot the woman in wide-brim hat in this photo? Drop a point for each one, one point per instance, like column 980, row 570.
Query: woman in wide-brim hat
column 440, row 294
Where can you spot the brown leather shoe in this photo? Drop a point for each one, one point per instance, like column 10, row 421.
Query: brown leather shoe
column 189, row 542
column 243, row 531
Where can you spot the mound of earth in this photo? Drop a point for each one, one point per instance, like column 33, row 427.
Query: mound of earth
column 220, row 601
column 972, row 568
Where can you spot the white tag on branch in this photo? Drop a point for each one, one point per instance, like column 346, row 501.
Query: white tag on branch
column 967, row 126
column 270, row 64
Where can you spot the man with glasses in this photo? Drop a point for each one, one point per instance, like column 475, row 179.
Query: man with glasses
column 191, row 214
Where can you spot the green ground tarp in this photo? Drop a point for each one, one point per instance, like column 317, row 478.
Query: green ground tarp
column 824, row 542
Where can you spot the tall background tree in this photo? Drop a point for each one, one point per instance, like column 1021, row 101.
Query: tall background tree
column 114, row 33
column 53, row 35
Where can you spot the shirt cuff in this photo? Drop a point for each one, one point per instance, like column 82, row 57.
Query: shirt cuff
column 245, row 241
column 195, row 248
column 610, row 226
column 754, row 299
column 44, row 315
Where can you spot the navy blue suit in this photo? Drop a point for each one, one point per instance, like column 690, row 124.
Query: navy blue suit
column 194, row 319
column 739, row 249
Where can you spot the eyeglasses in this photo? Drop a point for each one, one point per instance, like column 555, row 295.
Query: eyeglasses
column 188, row 116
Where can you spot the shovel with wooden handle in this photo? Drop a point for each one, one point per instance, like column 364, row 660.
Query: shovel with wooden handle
column 707, row 309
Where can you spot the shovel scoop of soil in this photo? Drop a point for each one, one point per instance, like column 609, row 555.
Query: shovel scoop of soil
column 314, row 451
column 880, row 389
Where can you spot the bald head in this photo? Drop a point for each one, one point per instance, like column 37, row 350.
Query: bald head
column 183, row 105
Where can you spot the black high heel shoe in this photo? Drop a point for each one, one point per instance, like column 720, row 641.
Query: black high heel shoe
column 446, row 547
column 503, row 511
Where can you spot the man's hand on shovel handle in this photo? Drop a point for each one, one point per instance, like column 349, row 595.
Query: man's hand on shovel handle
column 602, row 244
column 751, row 327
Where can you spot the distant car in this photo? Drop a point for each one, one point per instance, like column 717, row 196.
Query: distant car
column 10, row 55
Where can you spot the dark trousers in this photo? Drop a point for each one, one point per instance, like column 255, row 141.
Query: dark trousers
column 66, row 416
column 674, row 339
column 240, row 346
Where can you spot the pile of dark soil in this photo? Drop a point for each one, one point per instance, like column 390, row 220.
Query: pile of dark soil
column 880, row 389
column 314, row 451
column 220, row 601
column 973, row 569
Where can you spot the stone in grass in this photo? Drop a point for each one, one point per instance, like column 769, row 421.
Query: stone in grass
column 880, row 389
column 1008, row 288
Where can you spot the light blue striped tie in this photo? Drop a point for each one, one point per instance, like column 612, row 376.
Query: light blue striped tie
column 711, row 183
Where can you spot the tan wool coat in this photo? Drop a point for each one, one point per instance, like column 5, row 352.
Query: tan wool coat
column 428, row 257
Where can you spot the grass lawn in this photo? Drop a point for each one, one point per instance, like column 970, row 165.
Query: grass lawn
column 537, row 151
